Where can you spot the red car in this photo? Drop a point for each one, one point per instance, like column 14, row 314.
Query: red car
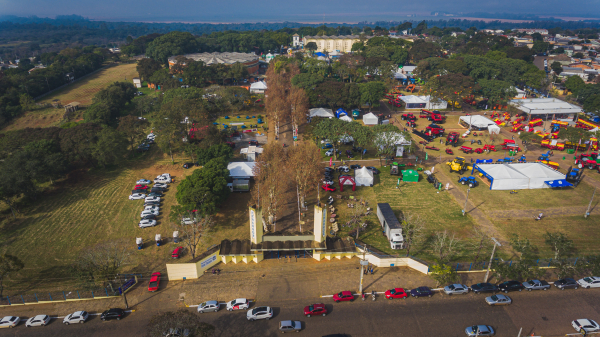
column 343, row 296
column 315, row 309
column 395, row 293
column 154, row 282
column 141, row 187
column 328, row 188
column 177, row 252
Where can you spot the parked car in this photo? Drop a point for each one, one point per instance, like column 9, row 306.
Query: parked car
column 484, row 288
column 188, row 165
column 287, row 326
column 114, row 313
column 329, row 153
column 136, row 190
column 344, row 169
column 154, row 282
column 259, row 313
column 566, row 283
column 536, row 285
column 373, row 169
column 586, row 325
column 151, row 203
column 141, row 187
column 137, row 196
column 315, row 309
column 498, row 300
column 147, row 223
column 510, row 286
column 479, row 330
column 155, row 194
column 157, row 190
column 160, row 185
column 143, row 182
column 589, row 282
column 152, row 208
column 162, row 179
column 327, row 146
column 421, row 292
column 177, row 252
column 39, row 320
column 238, row 304
column 253, row 142
column 328, row 182
column 76, row 317
column 176, row 332
column 9, row 321
column 328, row 188
column 149, row 217
column 329, row 169
column 148, row 212
column 208, row 306
column 456, row 289
column 395, row 293
column 355, row 166
column 343, row 297
column 152, row 199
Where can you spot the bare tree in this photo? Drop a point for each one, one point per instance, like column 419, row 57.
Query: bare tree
column 270, row 185
column 102, row 262
column 356, row 214
column 8, row 264
column 412, row 229
column 193, row 229
column 279, row 81
column 306, row 170
column 445, row 246
column 299, row 105
column 170, row 322
column 482, row 243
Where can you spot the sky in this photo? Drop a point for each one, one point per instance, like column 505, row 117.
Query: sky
column 280, row 10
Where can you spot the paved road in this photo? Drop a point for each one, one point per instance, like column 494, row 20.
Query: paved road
column 543, row 313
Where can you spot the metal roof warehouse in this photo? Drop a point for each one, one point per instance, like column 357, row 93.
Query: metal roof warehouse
column 551, row 107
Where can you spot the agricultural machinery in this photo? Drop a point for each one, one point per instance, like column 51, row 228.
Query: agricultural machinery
column 452, row 138
column 574, row 175
column 459, row 164
column 468, row 181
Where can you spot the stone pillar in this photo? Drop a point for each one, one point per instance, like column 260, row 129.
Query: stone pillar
column 256, row 226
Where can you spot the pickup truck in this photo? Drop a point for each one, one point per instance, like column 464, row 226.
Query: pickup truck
column 536, row 285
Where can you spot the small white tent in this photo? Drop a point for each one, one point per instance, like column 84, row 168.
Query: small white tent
column 346, row 119
column 363, row 177
column 370, row 119
column 321, row 112
column 258, row 87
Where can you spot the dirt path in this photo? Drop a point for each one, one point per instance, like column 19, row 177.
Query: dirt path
column 554, row 212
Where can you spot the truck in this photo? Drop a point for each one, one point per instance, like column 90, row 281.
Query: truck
column 391, row 226
column 536, row 285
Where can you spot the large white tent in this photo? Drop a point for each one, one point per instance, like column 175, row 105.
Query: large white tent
column 480, row 122
column 321, row 112
column 363, row 177
column 370, row 119
column 258, row 87
column 518, row 176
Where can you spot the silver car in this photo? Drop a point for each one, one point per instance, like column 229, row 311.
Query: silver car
column 286, row 326
column 456, row 289
column 147, row 223
column 484, row 330
column 208, row 306
column 259, row 313
column 498, row 300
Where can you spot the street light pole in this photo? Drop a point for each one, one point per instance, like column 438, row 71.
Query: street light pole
column 587, row 213
column 467, row 199
column 496, row 243
column 363, row 263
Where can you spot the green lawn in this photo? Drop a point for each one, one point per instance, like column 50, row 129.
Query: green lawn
column 242, row 118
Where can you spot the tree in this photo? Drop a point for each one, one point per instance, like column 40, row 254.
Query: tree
column 102, row 262
column 311, row 46
column 334, row 130
column 269, row 187
column 525, row 250
column 238, row 71
column 168, row 127
column 277, row 105
column 164, row 78
column 412, row 230
column 191, row 234
column 204, row 155
column 372, row 93
column 574, row 83
column 306, row 170
column 173, row 43
column 451, row 87
column 133, row 128
column 497, row 91
column 540, row 47
column 573, row 135
column 385, row 138
column 109, row 103
column 362, row 135
column 44, row 160
column 205, row 189
column 560, row 244
column 299, row 107
column 26, row 102
column 578, row 55
column 443, row 274
column 146, row 67
column 8, row 264
column 556, row 67
column 110, row 147
column 422, row 50
column 181, row 319
column 445, row 246
column 482, row 243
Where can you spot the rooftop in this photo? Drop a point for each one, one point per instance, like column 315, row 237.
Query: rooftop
column 215, row 58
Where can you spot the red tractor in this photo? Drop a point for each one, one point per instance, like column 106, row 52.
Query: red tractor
column 589, row 160
column 408, row 117
column 432, row 116
column 434, row 130
column 452, row 138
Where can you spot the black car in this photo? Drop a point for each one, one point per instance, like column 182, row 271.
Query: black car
column 510, row 286
column 149, row 217
column 354, row 167
column 253, row 142
column 484, row 288
column 373, row 169
column 566, row 283
column 139, row 190
column 152, row 203
column 188, row 165
column 114, row 313
column 158, row 189
column 329, row 169
column 155, row 194
column 421, row 292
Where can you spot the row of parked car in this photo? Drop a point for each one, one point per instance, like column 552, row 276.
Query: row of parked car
column 74, row 318
column 580, row 325
column 152, row 199
column 145, row 145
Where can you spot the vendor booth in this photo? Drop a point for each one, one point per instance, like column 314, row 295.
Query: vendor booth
column 363, row 177
column 370, row 119
column 321, row 112
column 519, row 176
column 423, row 102
column 479, row 123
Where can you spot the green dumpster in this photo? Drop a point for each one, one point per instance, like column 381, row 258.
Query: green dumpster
column 570, row 151
column 410, row 176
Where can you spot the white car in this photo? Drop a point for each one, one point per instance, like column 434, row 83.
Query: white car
column 160, row 185
column 149, row 212
column 137, row 196
column 586, row 325
column 152, row 199
column 151, row 135
column 152, row 208
column 187, row 221
column 590, row 282
column 162, row 180
column 76, row 317
column 9, row 321
column 238, row 304
column 143, row 182
column 329, row 153
column 147, row 223
column 168, row 175
column 456, row 289
column 259, row 313
column 39, row 320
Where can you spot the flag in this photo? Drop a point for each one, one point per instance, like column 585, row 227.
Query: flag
column 330, row 161
column 426, row 156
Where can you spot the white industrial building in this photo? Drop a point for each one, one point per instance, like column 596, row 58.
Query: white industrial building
column 547, row 108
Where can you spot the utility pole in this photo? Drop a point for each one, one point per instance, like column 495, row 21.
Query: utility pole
column 496, row 243
column 467, row 199
column 363, row 263
column 587, row 213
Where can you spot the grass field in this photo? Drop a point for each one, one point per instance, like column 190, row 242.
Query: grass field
column 246, row 119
